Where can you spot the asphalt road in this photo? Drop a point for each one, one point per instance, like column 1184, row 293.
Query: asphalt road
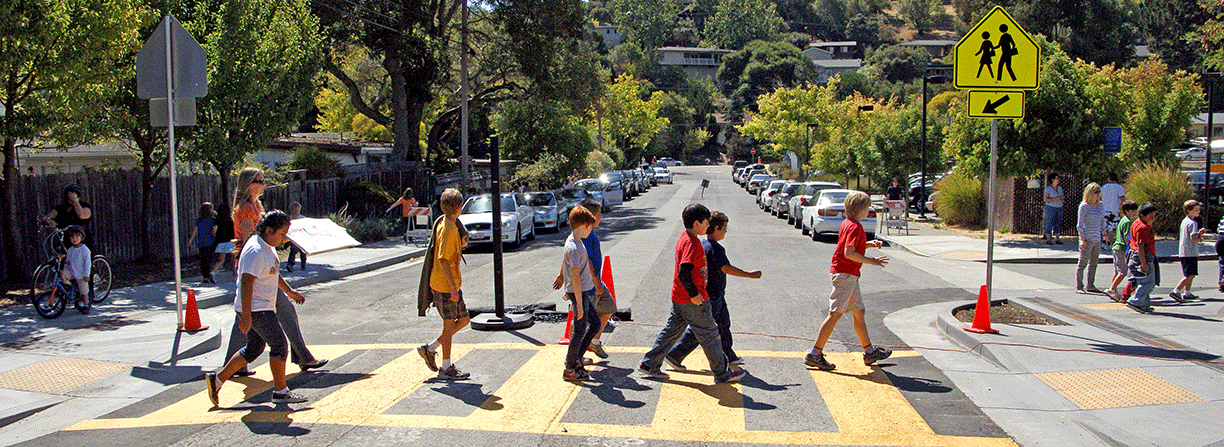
column 376, row 390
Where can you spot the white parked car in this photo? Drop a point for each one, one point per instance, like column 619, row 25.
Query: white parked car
column 670, row 162
column 765, row 195
column 517, row 219
column 550, row 213
column 779, row 204
column 756, row 182
column 828, row 212
column 663, row 175
column 801, row 198
column 1193, row 154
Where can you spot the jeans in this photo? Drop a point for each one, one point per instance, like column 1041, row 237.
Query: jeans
column 264, row 330
column 294, row 250
column 286, row 314
column 701, row 320
column 206, row 260
column 584, row 330
column 1144, row 284
column 718, row 307
column 1090, row 253
column 1053, row 220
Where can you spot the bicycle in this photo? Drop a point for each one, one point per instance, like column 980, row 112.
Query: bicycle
column 45, row 274
column 51, row 304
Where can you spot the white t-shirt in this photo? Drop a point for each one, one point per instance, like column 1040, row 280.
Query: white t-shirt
column 78, row 261
column 1111, row 198
column 1185, row 247
column 258, row 259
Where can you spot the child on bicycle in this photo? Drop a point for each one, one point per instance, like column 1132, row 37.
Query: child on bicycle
column 77, row 266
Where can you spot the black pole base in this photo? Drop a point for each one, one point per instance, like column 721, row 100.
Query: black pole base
column 492, row 322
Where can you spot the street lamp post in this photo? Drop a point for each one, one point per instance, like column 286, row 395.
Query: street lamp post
column 932, row 79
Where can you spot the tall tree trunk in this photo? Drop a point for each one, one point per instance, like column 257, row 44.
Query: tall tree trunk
column 224, row 171
column 8, row 222
column 405, row 124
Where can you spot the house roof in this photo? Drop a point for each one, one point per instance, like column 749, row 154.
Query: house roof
column 929, row 43
column 696, row 49
column 839, row 63
column 843, row 43
column 330, row 142
column 1201, row 119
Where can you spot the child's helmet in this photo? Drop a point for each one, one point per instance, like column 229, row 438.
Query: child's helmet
column 74, row 229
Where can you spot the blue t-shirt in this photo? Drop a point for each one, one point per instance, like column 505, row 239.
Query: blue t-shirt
column 204, row 231
column 591, row 242
column 716, row 258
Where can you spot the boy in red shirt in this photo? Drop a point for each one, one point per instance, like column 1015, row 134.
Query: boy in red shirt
column 690, row 304
column 848, row 257
column 1142, row 262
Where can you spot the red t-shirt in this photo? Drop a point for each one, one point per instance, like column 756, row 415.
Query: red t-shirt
column 689, row 251
column 1142, row 232
column 849, row 234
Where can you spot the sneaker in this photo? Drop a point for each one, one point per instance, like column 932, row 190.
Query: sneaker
column 736, row 361
column 1049, row 242
column 287, row 397
column 1176, row 296
column 1080, row 291
column 1091, row 289
column 1058, row 242
column 674, row 364
column 876, row 355
column 598, row 350
column 575, row 375
column 210, row 382
column 288, row 267
column 736, row 376
column 309, row 366
column 1135, row 308
column 652, row 373
column 430, row 357
column 453, row 373
column 818, row 362
column 1113, row 295
column 1190, row 296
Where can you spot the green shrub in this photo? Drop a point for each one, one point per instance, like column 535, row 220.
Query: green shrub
column 1162, row 185
column 365, row 199
column 960, row 200
column 371, row 230
column 316, row 163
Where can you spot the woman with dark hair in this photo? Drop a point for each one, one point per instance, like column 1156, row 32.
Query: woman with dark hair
column 72, row 211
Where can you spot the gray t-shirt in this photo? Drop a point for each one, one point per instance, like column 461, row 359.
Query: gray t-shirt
column 1185, row 247
column 576, row 256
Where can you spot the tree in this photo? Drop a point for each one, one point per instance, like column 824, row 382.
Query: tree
column 1152, row 105
column 783, row 117
column 631, row 120
column 263, row 58
column 762, row 67
column 316, row 163
column 534, row 130
column 920, row 14
column 1170, row 27
column 898, row 64
column 738, row 22
column 647, row 23
column 58, row 61
column 546, row 172
column 1098, row 31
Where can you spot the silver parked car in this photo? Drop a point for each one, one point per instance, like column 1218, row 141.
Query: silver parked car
column 607, row 193
column 756, row 182
column 517, row 219
column 550, row 213
column 765, row 195
column 663, row 175
column 779, row 204
column 800, row 199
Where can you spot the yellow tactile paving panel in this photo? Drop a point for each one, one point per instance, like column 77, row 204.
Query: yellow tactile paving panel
column 59, row 375
column 1115, row 388
column 964, row 254
column 864, row 404
column 1107, row 306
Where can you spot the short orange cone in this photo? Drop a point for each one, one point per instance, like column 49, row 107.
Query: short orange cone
column 569, row 329
column 191, row 321
column 981, row 315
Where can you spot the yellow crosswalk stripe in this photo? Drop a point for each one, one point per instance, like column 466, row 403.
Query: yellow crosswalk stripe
column 866, row 407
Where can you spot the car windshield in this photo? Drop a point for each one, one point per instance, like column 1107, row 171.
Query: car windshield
column 573, row 193
column 760, row 177
column 816, row 189
column 540, row 199
column 791, row 188
column 589, row 185
column 484, row 204
column 833, row 198
column 662, row 171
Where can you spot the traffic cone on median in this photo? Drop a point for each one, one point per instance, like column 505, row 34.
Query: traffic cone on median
column 191, row 321
column 569, row 329
column 981, row 315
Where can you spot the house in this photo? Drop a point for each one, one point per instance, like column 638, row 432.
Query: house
column 938, row 48
column 696, row 62
column 818, row 54
column 1198, row 125
column 113, row 155
column 610, row 34
column 839, row 50
column 827, row 69
column 347, row 151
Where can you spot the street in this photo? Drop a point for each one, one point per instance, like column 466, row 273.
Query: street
column 377, row 391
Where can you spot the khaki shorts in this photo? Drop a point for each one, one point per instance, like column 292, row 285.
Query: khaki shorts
column 846, row 297
column 447, row 309
column 604, row 304
column 1120, row 262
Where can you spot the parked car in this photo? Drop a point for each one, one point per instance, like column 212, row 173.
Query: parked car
column 828, row 212
column 779, row 205
column 618, row 178
column 550, row 213
column 1197, row 153
column 735, row 175
column 800, row 199
column 517, row 219
column 1195, row 180
column 607, row 193
column 738, row 164
column 767, row 192
column 642, row 179
column 670, row 162
column 650, row 175
column 755, row 183
column 663, row 175
column 572, row 196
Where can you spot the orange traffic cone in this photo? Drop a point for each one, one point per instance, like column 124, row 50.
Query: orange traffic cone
column 191, row 321
column 606, row 277
column 569, row 329
column 981, row 315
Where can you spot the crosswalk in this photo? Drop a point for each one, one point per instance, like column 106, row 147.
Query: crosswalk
column 517, row 387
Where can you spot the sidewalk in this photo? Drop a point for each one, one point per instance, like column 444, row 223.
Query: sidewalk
column 926, row 241
column 1109, row 376
column 54, row 373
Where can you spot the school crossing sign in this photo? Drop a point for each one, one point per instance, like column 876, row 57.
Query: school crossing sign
column 997, row 54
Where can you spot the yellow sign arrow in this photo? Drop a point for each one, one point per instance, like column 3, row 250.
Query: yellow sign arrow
column 996, row 104
column 997, row 54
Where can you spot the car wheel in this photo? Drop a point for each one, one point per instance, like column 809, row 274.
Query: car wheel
column 531, row 234
column 790, row 220
column 803, row 229
column 518, row 237
column 815, row 235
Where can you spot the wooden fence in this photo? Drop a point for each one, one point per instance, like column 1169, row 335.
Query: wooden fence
column 115, row 200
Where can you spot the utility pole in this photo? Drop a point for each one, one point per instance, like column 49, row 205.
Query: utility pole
column 465, row 167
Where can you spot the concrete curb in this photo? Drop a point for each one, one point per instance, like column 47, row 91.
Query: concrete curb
column 1049, row 260
column 954, row 329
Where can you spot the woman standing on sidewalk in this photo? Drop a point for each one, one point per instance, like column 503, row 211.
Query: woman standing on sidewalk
column 1053, row 209
column 247, row 212
column 1091, row 229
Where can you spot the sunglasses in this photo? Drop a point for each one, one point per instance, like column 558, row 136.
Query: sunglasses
column 258, row 180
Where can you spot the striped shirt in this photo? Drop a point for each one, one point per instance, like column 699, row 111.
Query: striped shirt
column 1091, row 224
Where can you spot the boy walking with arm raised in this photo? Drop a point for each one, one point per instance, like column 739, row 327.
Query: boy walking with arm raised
column 1142, row 262
column 690, row 304
column 848, row 258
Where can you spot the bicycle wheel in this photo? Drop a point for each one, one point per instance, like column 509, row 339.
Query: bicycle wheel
column 42, row 280
column 99, row 279
column 51, row 303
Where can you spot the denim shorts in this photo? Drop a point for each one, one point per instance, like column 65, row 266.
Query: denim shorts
column 265, row 330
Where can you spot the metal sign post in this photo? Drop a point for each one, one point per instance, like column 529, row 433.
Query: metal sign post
column 499, row 319
column 991, row 202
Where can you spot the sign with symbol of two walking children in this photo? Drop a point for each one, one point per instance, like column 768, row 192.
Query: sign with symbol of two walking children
column 997, row 60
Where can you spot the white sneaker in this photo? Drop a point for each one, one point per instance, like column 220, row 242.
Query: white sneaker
column 287, row 397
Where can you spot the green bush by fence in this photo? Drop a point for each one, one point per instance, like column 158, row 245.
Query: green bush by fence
column 960, row 200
